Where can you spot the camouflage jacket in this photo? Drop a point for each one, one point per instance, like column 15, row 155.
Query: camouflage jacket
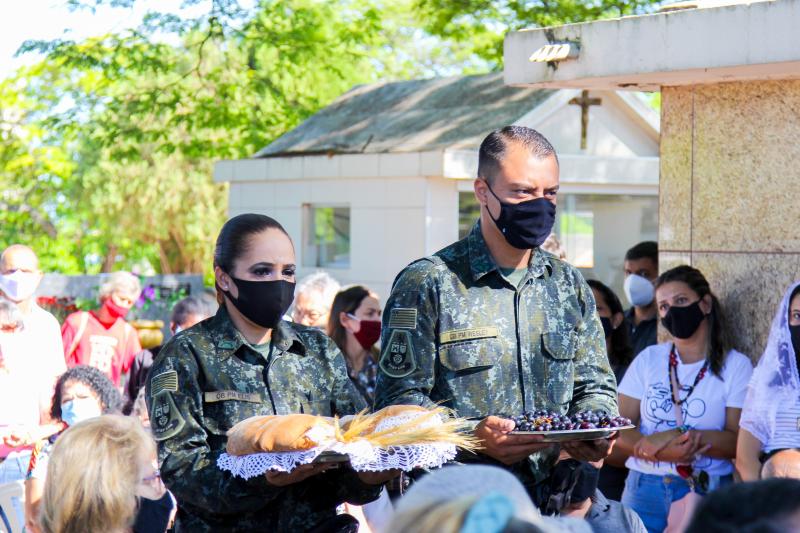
column 208, row 378
column 457, row 332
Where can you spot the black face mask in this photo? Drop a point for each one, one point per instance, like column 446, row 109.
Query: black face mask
column 682, row 322
column 153, row 515
column 525, row 225
column 608, row 329
column 795, row 331
column 263, row 302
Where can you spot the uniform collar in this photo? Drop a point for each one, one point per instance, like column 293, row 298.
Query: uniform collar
column 228, row 339
column 481, row 261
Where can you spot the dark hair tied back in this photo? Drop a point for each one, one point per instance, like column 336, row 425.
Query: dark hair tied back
column 719, row 343
column 233, row 239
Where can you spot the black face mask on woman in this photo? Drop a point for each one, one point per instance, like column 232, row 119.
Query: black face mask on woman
column 262, row 302
column 682, row 322
column 527, row 224
column 153, row 515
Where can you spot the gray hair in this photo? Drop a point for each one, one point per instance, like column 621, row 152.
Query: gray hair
column 123, row 282
column 10, row 315
column 320, row 282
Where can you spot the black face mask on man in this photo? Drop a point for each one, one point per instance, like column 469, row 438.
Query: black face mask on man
column 262, row 302
column 527, row 224
column 682, row 322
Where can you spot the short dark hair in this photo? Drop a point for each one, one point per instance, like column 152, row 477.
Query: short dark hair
column 643, row 250
column 621, row 351
column 756, row 507
column 110, row 399
column 719, row 341
column 187, row 307
column 493, row 148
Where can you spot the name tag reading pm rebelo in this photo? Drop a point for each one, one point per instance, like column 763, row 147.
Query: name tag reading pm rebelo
column 222, row 395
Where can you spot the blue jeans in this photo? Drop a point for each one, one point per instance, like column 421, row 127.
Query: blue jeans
column 651, row 496
column 14, row 468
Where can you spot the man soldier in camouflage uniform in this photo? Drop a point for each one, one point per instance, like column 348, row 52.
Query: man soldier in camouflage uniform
column 210, row 377
column 494, row 325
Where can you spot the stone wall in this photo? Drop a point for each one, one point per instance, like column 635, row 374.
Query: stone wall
column 728, row 195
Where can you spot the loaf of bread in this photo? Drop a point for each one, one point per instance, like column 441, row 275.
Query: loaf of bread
column 285, row 433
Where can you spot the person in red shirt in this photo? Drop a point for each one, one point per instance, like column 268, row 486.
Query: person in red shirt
column 101, row 338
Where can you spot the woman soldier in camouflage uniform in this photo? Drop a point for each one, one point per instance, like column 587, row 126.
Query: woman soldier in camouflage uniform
column 247, row 361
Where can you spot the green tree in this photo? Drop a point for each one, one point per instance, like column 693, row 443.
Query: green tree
column 479, row 26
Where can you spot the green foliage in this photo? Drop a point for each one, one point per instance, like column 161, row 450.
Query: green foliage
column 108, row 144
column 479, row 26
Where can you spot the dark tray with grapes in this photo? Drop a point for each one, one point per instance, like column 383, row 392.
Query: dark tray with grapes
column 584, row 425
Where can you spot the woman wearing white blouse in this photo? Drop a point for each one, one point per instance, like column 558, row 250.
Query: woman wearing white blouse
column 685, row 396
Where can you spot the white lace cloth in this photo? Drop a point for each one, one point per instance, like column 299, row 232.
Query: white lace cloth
column 363, row 455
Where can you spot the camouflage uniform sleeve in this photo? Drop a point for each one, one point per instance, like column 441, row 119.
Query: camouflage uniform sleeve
column 187, row 463
column 595, row 385
column 406, row 371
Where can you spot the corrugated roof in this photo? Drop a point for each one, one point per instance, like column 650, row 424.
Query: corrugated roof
column 410, row 116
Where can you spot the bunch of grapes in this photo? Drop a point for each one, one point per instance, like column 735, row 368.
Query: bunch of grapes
column 542, row 420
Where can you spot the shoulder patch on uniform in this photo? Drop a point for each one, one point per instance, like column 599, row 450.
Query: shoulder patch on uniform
column 403, row 318
column 398, row 359
column 166, row 381
column 165, row 419
column 471, row 334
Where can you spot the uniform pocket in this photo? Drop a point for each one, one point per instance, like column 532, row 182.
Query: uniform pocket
column 559, row 355
column 219, row 417
column 316, row 407
column 471, row 356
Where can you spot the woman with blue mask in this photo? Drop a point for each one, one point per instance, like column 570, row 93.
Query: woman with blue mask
column 772, row 408
column 81, row 393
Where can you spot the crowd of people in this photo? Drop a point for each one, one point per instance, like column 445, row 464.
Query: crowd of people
column 105, row 436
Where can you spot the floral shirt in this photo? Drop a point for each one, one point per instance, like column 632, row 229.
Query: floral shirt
column 366, row 378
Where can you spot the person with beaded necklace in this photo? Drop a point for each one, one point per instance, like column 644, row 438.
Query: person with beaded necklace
column 686, row 397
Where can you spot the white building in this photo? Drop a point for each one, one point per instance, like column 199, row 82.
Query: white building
column 384, row 174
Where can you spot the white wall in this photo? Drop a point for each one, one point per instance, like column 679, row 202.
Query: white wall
column 393, row 221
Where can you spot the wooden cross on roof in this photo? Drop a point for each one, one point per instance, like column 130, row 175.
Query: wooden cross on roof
column 584, row 101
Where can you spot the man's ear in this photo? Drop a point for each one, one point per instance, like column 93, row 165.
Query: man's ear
column 616, row 320
column 481, row 191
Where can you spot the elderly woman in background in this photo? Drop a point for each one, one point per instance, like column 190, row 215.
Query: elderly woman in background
column 102, row 338
column 101, row 478
column 771, row 410
column 313, row 299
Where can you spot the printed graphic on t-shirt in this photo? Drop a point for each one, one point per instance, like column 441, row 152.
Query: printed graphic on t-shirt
column 102, row 352
column 660, row 410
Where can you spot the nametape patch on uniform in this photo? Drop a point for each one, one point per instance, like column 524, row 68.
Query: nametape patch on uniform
column 166, row 381
column 469, row 334
column 222, row 395
column 403, row 318
column 165, row 419
column 398, row 358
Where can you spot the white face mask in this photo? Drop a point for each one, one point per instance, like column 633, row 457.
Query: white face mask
column 639, row 291
column 19, row 286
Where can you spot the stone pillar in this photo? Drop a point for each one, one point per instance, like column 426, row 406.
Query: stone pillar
column 730, row 177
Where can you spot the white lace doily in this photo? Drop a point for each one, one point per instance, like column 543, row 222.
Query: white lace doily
column 363, row 455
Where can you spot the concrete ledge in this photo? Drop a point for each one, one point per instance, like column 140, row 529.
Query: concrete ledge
column 695, row 46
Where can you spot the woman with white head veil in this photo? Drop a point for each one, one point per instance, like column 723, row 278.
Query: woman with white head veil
column 771, row 414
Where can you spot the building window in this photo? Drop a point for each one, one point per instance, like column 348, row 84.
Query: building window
column 327, row 237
